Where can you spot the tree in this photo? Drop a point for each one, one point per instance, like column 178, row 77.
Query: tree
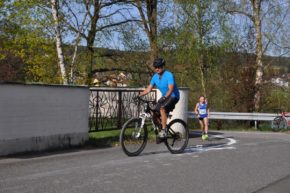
column 255, row 11
column 102, row 16
column 59, row 47
column 27, row 37
column 11, row 67
column 148, row 14
column 194, row 37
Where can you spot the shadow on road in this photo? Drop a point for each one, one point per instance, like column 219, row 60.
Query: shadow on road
column 196, row 144
column 154, row 153
column 196, row 134
column 89, row 145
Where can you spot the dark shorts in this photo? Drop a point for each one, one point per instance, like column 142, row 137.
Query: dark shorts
column 168, row 104
column 201, row 118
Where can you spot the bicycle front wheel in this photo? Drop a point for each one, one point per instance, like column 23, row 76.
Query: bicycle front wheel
column 133, row 137
column 177, row 136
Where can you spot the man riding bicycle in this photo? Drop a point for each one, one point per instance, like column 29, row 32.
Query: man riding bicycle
column 165, row 82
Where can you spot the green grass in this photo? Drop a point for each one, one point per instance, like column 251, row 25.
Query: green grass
column 110, row 138
column 104, row 134
column 106, row 124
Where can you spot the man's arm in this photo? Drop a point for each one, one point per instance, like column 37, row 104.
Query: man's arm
column 146, row 91
column 170, row 90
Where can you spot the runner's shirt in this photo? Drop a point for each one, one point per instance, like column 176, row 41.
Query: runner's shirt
column 202, row 109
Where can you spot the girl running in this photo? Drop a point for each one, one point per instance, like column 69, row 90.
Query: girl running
column 202, row 110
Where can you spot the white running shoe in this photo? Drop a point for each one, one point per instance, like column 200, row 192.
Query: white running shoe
column 162, row 134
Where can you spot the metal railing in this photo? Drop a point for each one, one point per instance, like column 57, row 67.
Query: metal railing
column 109, row 108
column 239, row 116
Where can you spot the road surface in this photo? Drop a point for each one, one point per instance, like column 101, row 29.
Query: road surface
column 231, row 162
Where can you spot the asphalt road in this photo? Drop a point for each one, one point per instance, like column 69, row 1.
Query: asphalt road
column 231, row 162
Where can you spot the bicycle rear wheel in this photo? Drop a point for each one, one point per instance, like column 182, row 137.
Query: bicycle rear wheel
column 177, row 136
column 279, row 123
column 133, row 137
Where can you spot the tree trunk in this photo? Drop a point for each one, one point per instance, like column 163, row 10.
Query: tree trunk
column 91, row 39
column 259, row 51
column 77, row 41
column 153, row 50
column 54, row 7
column 73, row 63
column 202, row 73
column 150, row 26
column 256, row 19
column 152, row 16
column 201, row 57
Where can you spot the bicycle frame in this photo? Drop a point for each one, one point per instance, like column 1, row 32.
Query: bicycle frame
column 147, row 114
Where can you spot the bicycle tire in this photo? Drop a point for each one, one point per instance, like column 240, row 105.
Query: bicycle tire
column 285, row 124
column 279, row 123
column 131, row 142
column 177, row 136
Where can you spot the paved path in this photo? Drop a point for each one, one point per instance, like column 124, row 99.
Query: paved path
column 239, row 162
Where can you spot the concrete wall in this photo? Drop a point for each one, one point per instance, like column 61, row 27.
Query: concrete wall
column 39, row 117
column 181, row 108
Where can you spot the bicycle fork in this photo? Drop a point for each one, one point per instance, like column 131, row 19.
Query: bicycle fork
column 137, row 130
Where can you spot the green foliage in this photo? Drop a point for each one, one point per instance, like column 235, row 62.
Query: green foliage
column 276, row 98
column 202, row 47
column 195, row 49
column 27, row 38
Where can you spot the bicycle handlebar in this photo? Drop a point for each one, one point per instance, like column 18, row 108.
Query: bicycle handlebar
column 143, row 100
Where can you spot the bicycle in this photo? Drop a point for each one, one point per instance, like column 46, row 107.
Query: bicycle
column 281, row 121
column 134, row 133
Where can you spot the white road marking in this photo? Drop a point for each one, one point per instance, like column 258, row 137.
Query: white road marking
column 204, row 148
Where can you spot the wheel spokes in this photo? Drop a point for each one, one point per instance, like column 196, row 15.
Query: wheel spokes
column 175, row 138
column 134, row 138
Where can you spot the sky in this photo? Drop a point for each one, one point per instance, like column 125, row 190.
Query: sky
column 239, row 25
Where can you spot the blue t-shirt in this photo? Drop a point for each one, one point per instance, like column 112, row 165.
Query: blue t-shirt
column 202, row 109
column 162, row 83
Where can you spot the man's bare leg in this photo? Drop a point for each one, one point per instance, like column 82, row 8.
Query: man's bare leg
column 156, row 119
column 163, row 117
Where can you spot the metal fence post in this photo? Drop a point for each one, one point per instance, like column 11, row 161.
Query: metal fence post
column 119, row 123
column 97, row 112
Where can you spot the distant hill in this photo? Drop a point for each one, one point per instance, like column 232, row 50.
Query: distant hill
column 281, row 62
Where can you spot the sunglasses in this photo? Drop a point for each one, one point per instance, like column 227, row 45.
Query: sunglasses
column 158, row 67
